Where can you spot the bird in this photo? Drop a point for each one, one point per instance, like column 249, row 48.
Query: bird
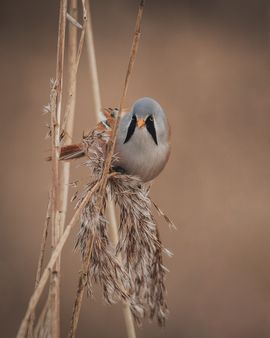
column 142, row 141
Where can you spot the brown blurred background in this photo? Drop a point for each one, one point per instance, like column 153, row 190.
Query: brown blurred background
column 207, row 63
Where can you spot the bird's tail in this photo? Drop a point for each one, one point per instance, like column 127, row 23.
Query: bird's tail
column 70, row 152
column 74, row 151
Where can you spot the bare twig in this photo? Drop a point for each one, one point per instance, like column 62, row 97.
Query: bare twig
column 104, row 177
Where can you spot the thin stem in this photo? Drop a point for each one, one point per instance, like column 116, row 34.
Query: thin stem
column 133, row 53
column 41, row 327
column 69, row 113
column 68, row 119
column 91, row 57
column 56, row 98
column 134, row 48
column 43, row 242
column 75, row 63
column 80, row 289
column 131, row 333
column 97, row 104
column 55, row 128
column 103, row 182
column 47, row 270
column 41, row 259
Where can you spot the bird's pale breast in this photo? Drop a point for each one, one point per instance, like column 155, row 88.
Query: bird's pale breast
column 141, row 156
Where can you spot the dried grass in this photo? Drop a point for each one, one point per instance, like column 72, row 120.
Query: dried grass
column 139, row 278
column 128, row 267
column 104, row 179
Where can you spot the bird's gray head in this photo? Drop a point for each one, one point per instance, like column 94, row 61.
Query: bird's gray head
column 146, row 112
column 145, row 107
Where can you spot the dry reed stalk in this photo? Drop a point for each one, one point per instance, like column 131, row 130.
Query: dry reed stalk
column 87, row 258
column 104, row 178
column 97, row 104
column 67, row 131
column 91, row 58
column 61, row 179
column 99, row 188
column 68, row 120
column 43, row 242
column 41, row 259
column 47, row 270
column 54, row 291
column 41, row 327
column 64, row 170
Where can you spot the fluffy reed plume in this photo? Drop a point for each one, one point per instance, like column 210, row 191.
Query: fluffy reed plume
column 139, row 245
column 138, row 278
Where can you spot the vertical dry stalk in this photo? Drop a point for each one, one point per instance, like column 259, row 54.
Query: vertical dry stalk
column 41, row 259
column 80, row 290
column 68, row 120
column 59, row 195
column 134, row 48
column 41, row 327
column 43, row 242
column 63, row 180
column 58, row 239
column 67, row 130
column 97, row 103
column 104, row 179
column 55, row 129
column 133, row 53
column 87, row 257
column 47, row 270
column 92, row 63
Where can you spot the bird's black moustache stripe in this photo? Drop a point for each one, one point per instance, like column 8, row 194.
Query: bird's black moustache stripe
column 131, row 128
column 151, row 128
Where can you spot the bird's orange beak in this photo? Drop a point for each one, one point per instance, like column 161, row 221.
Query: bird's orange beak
column 140, row 123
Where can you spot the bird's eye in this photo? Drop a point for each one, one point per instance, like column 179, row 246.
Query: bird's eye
column 134, row 117
column 150, row 118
